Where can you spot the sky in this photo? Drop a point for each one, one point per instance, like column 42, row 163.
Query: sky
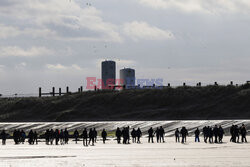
column 46, row 43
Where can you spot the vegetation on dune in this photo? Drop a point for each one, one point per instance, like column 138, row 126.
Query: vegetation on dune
column 209, row 102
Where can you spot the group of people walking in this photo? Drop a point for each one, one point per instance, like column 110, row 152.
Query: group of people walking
column 211, row 134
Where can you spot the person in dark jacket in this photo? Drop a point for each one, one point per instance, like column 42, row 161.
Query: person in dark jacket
column 118, row 135
column 216, row 134
column 210, row 134
column 177, row 135
column 138, row 135
column 3, row 137
column 243, row 133
column 133, row 134
column 35, row 138
column 157, row 133
column 150, row 135
column 220, row 134
column 205, row 133
column 91, row 137
column 197, row 134
column 76, row 135
column 104, row 136
column 184, row 134
column 66, row 136
column 95, row 135
column 162, row 133
column 85, row 137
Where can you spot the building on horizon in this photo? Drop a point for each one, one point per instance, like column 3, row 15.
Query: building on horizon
column 108, row 74
column 127, row 75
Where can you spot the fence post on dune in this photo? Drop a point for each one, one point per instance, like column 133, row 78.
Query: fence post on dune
column 60, row 91
column 40, row 92
column 53, row 91
column 67, row 89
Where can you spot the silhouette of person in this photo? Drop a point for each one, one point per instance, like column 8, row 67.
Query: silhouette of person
column 162, row 133
column 157, row 132
column 220, row 133
column 3, row 137
column 35, row 138
column 57, row 136
column 51, row 136
column 61, row 135
column 31, row 137
column 85, row 137
column 138, row 135
column 150, row 135
column 76, row 135
column 197, row 134
column 177, row 135
column 95, row 135
column 15, row 136
column 66, row 136
column 118, row 135
column 205, row 133
column 23, row 136
column 243, row 133
column 210, row 134
column 237, row 135
column 133, row 134
column 47, row 136
column 232, row 132
column 184, row 134
column 215, row 132
column 104, row 136
column 91, row 136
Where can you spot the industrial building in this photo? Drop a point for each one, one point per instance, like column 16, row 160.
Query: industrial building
column 127, row 75
column 108, row 74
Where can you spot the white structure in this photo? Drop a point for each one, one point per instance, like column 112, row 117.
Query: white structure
column 108, row 73
column 127, row 75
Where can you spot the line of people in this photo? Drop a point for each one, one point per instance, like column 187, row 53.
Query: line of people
column 211, row 134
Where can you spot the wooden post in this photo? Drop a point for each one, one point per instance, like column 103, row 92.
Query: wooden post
column 168, row 84
column 40, row 92
column 67, row 89
column 53, row 91
column 95, row 87
column 81, row 89
column 60, row 91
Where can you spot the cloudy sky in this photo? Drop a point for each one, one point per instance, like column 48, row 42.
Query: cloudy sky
column 45, row 43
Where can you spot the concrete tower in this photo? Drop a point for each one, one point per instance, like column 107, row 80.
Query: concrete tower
column 108, row 73
column 128, row 77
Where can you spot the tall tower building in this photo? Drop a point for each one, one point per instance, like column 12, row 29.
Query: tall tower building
column 108, row 73
column 127, row 75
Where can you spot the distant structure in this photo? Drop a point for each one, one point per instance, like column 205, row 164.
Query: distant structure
column 108, row 74
column 127, row 75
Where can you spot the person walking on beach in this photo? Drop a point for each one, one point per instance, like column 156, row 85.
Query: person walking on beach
column 138, row 135
column 205, row 133
column 197, row 134
column 243, row 133
column 104, row 136
column 177, row 135
column 133, row 134
column 91, row 137
column 85, row 137
column 151, row 135
column 220, row 134
column 157, row 133
column 118, row 135
column 184, row 134
column 66, row 136
column 162, row 133
column 95, row 135
column 3, row 137
column 76, row 135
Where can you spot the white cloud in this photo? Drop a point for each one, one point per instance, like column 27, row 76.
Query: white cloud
column 20, row 52
column 63, row 19
column 141, row 30
column 63, row 67
column 11, row 31
column 211, row 6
